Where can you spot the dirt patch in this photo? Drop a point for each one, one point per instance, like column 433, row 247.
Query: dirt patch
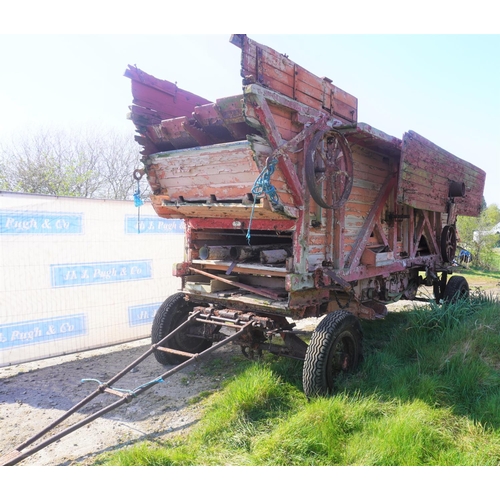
column 33, row 395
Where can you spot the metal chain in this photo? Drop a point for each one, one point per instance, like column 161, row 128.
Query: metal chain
column 346, row 305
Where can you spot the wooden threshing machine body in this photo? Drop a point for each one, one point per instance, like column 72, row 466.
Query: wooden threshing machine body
column 349, row 218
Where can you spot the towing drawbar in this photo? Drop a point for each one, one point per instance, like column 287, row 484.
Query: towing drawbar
column 35, row 443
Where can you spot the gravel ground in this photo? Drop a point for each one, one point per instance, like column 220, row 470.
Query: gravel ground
column 32, row 395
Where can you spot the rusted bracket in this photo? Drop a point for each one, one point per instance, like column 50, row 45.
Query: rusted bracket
column 340, row 281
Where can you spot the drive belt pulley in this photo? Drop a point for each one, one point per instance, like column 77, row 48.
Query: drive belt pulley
column 329, row 169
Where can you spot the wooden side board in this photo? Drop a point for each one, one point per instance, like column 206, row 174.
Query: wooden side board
column 265, row 66
column 225, row 171
column 426, row 171
column 216, row 181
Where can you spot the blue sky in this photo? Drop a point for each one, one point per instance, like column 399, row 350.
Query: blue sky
column 446, row 87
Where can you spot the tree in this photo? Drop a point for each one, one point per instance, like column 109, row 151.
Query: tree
column 474, row 235
column 94, row 163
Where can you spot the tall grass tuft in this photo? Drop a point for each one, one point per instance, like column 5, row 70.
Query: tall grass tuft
column 318, row 433
column 254, row 397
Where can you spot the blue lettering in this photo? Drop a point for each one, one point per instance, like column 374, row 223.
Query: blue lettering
column 31, row 332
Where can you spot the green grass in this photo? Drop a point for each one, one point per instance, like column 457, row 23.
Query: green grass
column 428, row 393
column 480, row 275
column 493, row 269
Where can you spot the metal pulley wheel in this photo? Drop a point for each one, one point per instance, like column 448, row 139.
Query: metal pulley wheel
column 329, row 170
column 448, row 243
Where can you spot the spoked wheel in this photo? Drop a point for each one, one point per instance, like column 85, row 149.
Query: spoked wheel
column 456, row 289
column 172, row 313
column 335, row 349
column 448, row 243
column 329, row 170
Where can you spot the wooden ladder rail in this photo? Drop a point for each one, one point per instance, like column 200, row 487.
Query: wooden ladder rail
column 17, row 455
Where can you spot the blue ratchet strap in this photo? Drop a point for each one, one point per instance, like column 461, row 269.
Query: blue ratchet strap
column 138, row 202
column 127, row 391
column 263, row 186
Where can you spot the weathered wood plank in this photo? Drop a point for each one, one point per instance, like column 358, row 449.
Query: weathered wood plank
column 362, row 195
column 426, row 171
column 161, row 95
column 372, row 139
column 231, row 109
column 143, row 117
column 216, row 211
column 224, row 120
column 263, row 65
column 227, row 171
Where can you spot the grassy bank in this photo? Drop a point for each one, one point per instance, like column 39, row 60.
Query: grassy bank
column 428, row 393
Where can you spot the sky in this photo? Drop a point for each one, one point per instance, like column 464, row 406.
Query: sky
column 443, row 83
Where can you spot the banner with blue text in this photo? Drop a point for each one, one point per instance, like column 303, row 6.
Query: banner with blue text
column 80, row 273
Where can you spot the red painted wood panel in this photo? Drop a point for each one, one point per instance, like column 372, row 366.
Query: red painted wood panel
column 425, row 174
column 263, row 65
column 161, row 95
column 227, row 171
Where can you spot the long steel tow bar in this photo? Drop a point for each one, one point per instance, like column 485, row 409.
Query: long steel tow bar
column 17, row 455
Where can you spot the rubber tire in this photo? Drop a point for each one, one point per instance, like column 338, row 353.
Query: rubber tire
column 456, row 289
column 174, row 311
column 339, row 328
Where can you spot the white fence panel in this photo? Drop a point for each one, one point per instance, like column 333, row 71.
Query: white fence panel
column 78, row 274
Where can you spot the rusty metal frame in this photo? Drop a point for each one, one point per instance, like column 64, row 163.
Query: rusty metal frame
column 258, row 291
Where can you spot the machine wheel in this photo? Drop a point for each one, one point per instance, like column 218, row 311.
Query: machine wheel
column 457, row 288
column 329, row 169
column 448, row 243
column 174, row 311
column 335, row 349
column 439, row 287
